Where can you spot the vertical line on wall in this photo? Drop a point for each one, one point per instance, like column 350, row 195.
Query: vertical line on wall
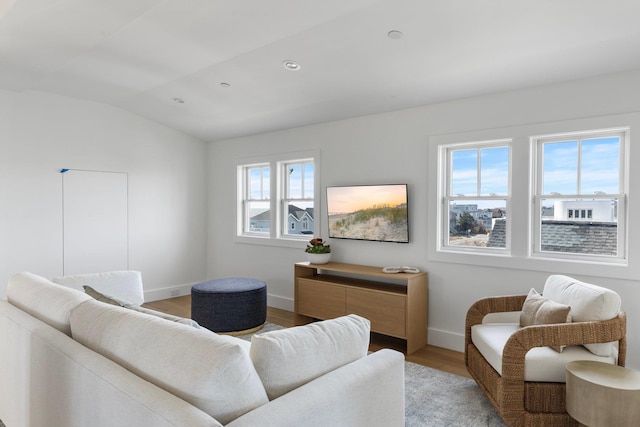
column 128, row 236
column 62, row 171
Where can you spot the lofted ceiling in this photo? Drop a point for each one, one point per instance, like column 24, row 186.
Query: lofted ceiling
column 214, row 68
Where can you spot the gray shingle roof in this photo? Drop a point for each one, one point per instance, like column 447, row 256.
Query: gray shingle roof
column 580, row 237
column 598, row 238
column 497, row 237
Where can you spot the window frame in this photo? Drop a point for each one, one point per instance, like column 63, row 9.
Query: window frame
column 286, row 198
column 537, row 149
column 244, row 225
column 445, row 196
column 277, row 235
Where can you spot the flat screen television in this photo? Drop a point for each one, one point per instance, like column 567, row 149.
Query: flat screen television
column 369, row 212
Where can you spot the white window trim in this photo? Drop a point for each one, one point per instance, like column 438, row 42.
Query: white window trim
column 285, row 200
column 522, row 197
column 275, row 236
column 537, row 143
column 243, row 198
column 444, row 180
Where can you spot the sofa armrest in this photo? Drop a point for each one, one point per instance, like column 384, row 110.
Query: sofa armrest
column 366, row 392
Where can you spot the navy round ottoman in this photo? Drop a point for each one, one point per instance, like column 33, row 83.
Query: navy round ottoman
column 232, row 305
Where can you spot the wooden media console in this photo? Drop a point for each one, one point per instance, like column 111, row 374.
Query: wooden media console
column 396, row 304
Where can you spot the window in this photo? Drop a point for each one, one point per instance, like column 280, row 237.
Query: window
column 276, row 199
column 299, row 196
column 567, row 205
column 476, row 189
column 257, row 211
column 579, row 195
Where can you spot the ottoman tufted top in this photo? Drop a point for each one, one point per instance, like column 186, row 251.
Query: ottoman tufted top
column 228, row 285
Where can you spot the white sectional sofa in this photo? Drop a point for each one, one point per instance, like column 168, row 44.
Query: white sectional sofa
column 69, row 360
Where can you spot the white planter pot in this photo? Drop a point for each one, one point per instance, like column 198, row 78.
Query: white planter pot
column 318, row 258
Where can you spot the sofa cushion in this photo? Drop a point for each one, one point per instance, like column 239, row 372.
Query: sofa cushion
column 588, row 303
column 542, row 364
column 288, row 358
column 44, row 300
column 538, row 310
column 211, row 372
column 123, row 285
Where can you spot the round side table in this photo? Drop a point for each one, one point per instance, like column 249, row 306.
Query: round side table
column 603, row 395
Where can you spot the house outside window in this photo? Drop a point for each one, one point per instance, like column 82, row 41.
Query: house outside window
column 580, row 179
column 475, row 184
column 276, row 200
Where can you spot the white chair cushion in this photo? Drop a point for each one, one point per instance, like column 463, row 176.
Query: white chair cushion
column 123, row 285
column 44, row 300
column 288, row 358
column 211, row 372
column 588, row 303
column 542, row 364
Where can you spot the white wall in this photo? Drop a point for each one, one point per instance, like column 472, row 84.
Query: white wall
column 40, row 134
column 394, row 148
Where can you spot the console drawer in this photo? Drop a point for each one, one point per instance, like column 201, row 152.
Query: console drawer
column 386, row 311
column 319, row 299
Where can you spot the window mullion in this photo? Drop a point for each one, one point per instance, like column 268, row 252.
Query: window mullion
column 302, row 180
column 479, row 172
column 579, row 177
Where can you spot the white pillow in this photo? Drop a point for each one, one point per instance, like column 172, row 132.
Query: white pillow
column 44, row 300
column 588, row 303
column 123, row 285
column 288, row 358
column 211, row 372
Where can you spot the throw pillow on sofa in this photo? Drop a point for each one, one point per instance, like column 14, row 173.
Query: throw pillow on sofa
column 124, row 285
column 99, row 296
column 288, row 358
column 107, row 299
column 211, row 372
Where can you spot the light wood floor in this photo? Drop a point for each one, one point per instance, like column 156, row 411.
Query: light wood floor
column 433, row 357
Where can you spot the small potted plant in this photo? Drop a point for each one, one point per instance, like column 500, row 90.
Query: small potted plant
column 317, row 251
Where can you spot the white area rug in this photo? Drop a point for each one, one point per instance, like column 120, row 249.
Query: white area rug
column 437, row 398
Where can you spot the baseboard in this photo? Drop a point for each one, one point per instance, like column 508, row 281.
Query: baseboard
column 180, row 290
column 169, row 292
column 445, row 339
column 280, row 302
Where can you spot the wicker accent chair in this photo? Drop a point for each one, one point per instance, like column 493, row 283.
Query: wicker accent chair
column 523, row 403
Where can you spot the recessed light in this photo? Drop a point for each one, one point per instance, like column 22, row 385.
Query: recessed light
column 394, row 34
column 225, row 84
column 291, row 65
column 177, row 100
